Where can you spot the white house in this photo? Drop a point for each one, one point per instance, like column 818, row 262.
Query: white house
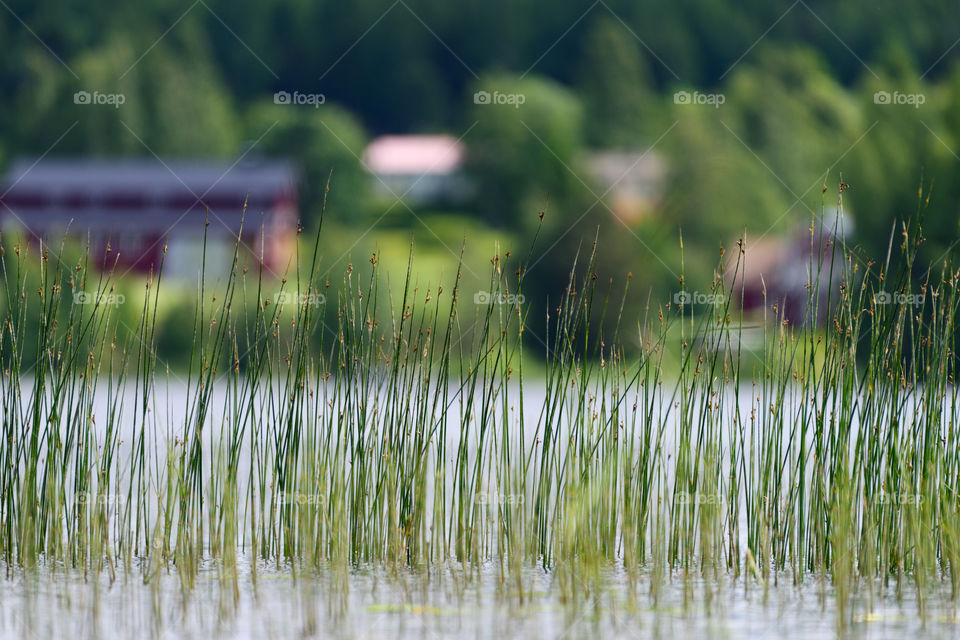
column 418, row 169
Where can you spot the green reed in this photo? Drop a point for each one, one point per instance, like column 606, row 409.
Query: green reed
column 375, row 422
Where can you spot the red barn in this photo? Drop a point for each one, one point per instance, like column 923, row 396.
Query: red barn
column 777, row 270
column 137, row 205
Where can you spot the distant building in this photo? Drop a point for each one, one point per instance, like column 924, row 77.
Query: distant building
column 633, row 181
column 776, row 270
column 418, row 169
column 135, row 206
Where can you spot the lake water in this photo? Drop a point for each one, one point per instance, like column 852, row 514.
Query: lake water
column 443, row 601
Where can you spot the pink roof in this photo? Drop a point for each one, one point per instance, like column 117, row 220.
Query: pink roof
column 414, row 154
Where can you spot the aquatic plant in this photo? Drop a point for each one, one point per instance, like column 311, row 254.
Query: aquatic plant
column 322, row 427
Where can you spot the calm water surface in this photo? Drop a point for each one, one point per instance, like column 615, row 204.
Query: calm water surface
column 443, row 603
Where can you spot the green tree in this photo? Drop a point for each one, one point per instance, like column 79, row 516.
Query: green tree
column 716, row 191
column 322, row 140
column 794, row 116
column 524, row 147
column 170, row 103
column 175, row 103
column 615, row 83
column 908, row 144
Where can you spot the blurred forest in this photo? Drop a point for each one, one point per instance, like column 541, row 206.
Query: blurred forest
column 799, row 110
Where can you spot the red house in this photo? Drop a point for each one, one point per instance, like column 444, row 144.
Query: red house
column 137, row 205
column 777, row 270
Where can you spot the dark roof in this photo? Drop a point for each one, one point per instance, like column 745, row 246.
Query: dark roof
column 140, row 195
column 154, row 177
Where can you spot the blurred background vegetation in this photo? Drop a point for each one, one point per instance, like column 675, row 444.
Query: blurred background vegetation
column 798, row 84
